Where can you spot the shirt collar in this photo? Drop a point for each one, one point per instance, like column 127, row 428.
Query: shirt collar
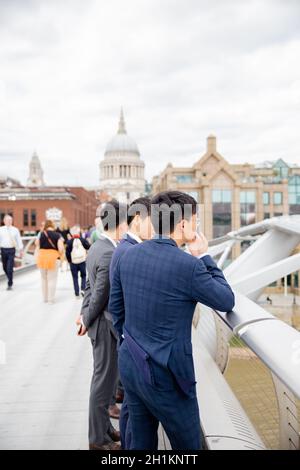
column 109, row 238
column 134, row 236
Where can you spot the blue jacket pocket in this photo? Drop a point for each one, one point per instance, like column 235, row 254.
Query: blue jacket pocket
column 140, row 357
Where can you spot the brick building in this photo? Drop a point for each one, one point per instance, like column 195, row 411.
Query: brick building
column 30, row 206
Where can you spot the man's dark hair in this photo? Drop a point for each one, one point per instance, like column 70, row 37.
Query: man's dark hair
column 141, row 206
column 170, row 207
column 112, row 214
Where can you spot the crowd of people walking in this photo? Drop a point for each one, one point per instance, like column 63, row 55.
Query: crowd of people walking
column 56, row 246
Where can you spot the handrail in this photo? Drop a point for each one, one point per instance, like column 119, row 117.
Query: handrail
column 273, row 341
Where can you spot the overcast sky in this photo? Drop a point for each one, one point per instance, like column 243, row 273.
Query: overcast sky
column 182, row 69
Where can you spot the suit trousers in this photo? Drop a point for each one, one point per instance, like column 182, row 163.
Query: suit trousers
column 105, row 376
column 8, row 257
column 125, row 425
column 163, row 402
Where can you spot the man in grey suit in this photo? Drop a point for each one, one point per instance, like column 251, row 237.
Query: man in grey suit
column 96, row 320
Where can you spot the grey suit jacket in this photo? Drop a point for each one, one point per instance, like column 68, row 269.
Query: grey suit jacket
column 96, row 295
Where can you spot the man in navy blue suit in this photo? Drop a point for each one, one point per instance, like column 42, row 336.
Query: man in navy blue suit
column 155, row 289
column 140, row 229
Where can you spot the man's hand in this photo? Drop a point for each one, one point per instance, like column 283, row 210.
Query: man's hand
column 199, row 245
column 82, row 329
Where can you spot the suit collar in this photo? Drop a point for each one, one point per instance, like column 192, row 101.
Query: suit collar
column 127, row 238
column 108, row 239
column 132, row 238
column 164, row 239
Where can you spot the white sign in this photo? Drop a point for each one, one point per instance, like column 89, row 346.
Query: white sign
column 54, row 214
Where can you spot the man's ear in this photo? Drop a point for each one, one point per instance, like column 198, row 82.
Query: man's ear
column 136, row 220
column 182, row 225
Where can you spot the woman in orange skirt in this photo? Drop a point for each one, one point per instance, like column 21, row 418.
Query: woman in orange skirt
column 51, row 248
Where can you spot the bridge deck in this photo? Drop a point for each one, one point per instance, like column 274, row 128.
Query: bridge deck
column 44, row 384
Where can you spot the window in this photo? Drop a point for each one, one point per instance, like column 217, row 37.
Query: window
column 247, row 197
column 247, row 207
column 281, row 170
column 266, row 215
column 294, row 194
column 33, row 218
column 184, row 178
column 25, row 218
column 221, row 205
column 278, row 214
column 277, row 198
column 266, row 199
column 221, row 195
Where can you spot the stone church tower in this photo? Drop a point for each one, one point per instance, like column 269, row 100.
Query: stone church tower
column 36, row 174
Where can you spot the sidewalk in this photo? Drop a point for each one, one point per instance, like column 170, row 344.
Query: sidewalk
column 44, row 385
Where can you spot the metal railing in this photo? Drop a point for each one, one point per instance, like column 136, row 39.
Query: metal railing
column 277, row 345
column 268, row 345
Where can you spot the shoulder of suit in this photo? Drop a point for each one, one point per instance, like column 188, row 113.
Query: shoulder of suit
column 104, row 244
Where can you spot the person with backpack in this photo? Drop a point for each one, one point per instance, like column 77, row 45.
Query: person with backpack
column 76, row 255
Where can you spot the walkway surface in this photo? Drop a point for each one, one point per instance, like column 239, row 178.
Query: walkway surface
column 44, row 384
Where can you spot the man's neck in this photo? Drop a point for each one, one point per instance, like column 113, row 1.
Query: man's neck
column 111, row 234
column 178, row 242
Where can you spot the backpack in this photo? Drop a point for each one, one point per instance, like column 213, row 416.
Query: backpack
column 78, row 253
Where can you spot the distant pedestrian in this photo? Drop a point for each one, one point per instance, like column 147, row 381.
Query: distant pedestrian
column 64, row 230
column 51, row 248
column 87, row 233
column 268, row 299
column 10, row 241
column 76, row 252
column 96, row 233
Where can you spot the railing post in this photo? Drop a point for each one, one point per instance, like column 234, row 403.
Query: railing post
column 223, row 335
column 289, row 436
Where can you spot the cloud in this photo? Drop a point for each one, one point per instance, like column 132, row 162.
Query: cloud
column 181, row 69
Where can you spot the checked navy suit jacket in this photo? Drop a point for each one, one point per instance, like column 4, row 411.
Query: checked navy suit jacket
column 158, row 286
column 126, row 243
